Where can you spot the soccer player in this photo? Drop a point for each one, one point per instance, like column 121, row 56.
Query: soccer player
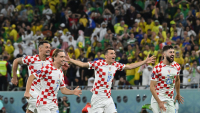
column 34, row 63
column 101, row 100
column 164, row 77
column 51, row 78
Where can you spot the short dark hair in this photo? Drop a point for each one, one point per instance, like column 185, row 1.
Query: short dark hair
column 165, row 48
column 55, row 53
column 42, row 42
column 106, row 50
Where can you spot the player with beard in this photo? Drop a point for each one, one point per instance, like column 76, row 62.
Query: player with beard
column 164, row 78
column 52, row 79
column 34, row 63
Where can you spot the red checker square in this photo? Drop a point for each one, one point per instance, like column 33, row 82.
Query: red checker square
column 42, row 93
column 45, row 79
column 49, row 77
column 159, row 79
column 49, row 94
column 158, row 84
column 98, row 72
column 108, row 96
column 161, row 87
column 167, row 92
column 167, row 88
column 105, row 83
column 95, row 84
column 96, row 92
column 45, row 102
column 100, row 69
column 100, row 76
column 165, row 85
column 172, row 92
column 162, row 82
column 48, row 83
column 157, row 93
column 51, row 88
column 102, row 79
column 45, row 96
column 46, row 90
column 97, row 87
column 106, row 86
column 53, row 81
column 38, row 80
column 105, row 91
column 173, row 81
column 104, row 73
column 41, row 99
column 163, row 77
column 101, row 84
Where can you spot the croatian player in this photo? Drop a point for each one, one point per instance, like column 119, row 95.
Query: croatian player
column 101, row 101
column 34, row 63
column 51, row 78
column 164, row 77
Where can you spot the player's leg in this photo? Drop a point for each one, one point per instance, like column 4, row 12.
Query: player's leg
column 54, row 108
column 97, row 104
column 156, row 109
column 28, row 111
column 44, row 109
column 31, row 105
column 110, row 106
column 170, row 107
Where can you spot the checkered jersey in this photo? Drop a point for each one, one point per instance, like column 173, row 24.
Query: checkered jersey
column 34, row 63
column 104, row 75
column 165, row 76
column 51, row 80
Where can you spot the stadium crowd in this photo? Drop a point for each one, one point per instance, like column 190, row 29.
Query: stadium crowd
column 84, row 28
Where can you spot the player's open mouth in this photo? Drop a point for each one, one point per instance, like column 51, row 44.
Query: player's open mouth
column 172, row 57
column 113, row 58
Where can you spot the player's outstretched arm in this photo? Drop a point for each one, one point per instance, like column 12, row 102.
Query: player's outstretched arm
column 66, row 91
column 14, row 70
column 147, row 60
column 28, row 86
column 153, row 91
column 76, row 62
column 177, row 87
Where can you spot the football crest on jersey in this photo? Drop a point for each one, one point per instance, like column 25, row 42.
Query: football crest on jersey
column 169, row 79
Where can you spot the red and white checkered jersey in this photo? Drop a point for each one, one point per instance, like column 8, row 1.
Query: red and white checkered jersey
column 51, row 80
column 104, row 75
column 165, row 76
column 34, row 63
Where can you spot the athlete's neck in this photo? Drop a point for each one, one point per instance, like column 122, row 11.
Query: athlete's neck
column 109, row 63
column 166, row 62
column 42, row 57
column 56, row 65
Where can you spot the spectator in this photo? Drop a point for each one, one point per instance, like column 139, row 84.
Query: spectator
column 195, row 74
column 64, row 105
column 122, row 83
column 5, row 72
column 186, row 74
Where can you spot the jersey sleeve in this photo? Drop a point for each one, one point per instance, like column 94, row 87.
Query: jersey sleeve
column 94, row 64
column 28, row 60
column 120, row 66
column 62, row 83
column 154, row 75
column 43, row 72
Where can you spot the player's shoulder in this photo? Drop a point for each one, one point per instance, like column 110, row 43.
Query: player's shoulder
column 29, row 56
column 49, row 59
column 176, row 65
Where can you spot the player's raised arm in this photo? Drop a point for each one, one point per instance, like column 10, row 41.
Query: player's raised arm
column 76, row 62
column 14, row 69
column 66, row 91
column 147, row 60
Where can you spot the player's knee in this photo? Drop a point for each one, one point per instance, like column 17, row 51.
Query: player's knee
column 28, row 111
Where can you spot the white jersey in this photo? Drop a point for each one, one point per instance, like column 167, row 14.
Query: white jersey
column 51, row 80
column 165, row 76
column 34, row 63
column 104, row 75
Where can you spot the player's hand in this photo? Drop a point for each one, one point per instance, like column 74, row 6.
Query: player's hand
column 65, row 66
column 14, row 81
column 161, row 105
column 77, row 91
column 27, row 95
column 179, row 98
column 67, row 57
column 150, row 59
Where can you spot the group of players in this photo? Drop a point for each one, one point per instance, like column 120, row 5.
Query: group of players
column 46, row 78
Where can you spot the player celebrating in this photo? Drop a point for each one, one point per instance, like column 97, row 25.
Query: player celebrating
column 34, row 63
column 165, row 76
column 101, row 100
column 51, row 78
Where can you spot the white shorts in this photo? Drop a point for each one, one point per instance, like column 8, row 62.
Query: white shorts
column 32, row 101
column 48, row 108
column 170, row 108
column 102, row 104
